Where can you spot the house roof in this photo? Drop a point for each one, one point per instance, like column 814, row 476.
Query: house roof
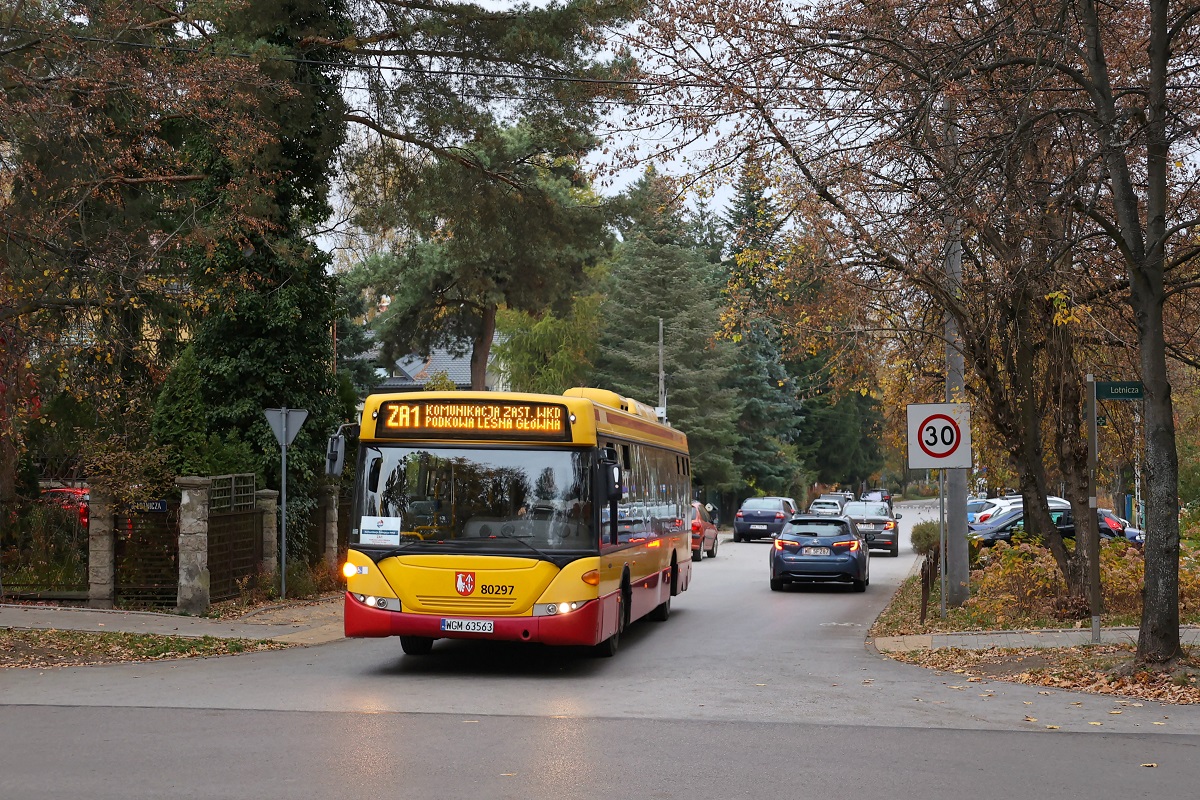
column 414, row 371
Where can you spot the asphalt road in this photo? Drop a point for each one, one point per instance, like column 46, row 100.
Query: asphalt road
column 744, row 692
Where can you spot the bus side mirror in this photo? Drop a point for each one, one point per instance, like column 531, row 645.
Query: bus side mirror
column 612, row 482
column 335, row 455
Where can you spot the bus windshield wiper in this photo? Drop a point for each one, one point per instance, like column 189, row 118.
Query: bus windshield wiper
column 543, row 555
column 400, row 548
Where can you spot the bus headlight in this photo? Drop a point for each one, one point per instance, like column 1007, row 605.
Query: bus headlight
column 557, row 609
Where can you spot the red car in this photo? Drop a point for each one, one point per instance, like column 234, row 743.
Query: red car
column 704, row 532
column 71, row 499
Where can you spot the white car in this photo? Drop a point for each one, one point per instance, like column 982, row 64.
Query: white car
column 825, row 507
column 995, row 506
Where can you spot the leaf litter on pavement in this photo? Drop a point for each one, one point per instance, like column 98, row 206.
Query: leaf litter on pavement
column 36, row 649
column 1096, row 669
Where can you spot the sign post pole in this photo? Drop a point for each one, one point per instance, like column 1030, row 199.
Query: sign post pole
column 279, row 419
column 1093, row 533
column 942, row 537
column 1101, row 390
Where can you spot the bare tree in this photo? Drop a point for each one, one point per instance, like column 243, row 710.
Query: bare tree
column 1044, row 133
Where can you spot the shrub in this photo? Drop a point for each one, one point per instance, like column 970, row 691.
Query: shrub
column 1015, row 582
column 925, row 537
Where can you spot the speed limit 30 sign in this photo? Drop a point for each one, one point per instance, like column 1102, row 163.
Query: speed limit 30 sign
column 939, row 436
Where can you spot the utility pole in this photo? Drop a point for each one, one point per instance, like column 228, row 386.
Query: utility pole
column 661, row 411
column 958, row 558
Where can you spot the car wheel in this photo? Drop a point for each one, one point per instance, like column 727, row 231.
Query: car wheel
column 737, row 537
column 416, row 645
column 776, row 584
column 712, row 553
column 697, row 555
column 895, row 551
column 860, row 586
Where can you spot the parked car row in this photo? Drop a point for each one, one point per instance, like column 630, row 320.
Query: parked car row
column 1012, row 523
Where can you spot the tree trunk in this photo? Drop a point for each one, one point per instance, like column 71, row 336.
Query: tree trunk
column 1158, row 637
column 1143, row 241
column 481, row 349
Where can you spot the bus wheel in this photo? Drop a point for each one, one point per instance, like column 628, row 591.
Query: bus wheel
column 662, row 611
column 416, row 645
column 608, row 648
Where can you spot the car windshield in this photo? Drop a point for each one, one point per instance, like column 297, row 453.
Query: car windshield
column 813, row 527
column 472, row 499
column 762, row 504
column 975, row 506
column 865, row 510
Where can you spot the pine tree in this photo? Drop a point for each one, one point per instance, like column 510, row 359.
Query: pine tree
column 770, row 421
column 660, row 272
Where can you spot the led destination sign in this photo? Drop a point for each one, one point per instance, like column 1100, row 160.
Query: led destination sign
column 473, row 419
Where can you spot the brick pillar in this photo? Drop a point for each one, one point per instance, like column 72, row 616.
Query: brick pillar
column 267, row 501
column 102, row 565
column 329, row 498
column 193, row 545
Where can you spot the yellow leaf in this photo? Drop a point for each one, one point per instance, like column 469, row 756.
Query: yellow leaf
column 1030, row 719
column 1151, row 764
column 1095, row 723
column 1118, row 711
column 1052, row 727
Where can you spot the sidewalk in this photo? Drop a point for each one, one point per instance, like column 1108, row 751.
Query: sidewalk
column 314, row 622
column 320, row 621
column 1055, row 637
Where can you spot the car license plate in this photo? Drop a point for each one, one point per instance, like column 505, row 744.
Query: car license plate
column 467, row 625
column 758, row 527
column 867, row 526
column 815, row 551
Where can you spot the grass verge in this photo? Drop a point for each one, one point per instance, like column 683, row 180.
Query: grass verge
column 54, row 648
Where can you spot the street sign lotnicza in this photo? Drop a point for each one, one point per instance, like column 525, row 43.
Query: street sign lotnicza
column 1120, row 390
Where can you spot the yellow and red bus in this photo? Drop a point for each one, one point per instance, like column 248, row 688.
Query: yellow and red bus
column 518, row 517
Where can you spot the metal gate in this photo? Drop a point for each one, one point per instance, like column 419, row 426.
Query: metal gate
column 235, row 528
column 147, row 558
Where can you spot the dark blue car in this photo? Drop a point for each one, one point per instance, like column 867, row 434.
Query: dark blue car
column 820, row 549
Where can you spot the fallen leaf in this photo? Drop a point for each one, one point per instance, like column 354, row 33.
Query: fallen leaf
column 1158, row 723
column 1118, row 711
column 974, row 680
column 1151, row 764
column 1043, row 693
column 1026, row 702
column 1095, row 723
column 763, row 684
column 1030, row 719
column 1052, row 727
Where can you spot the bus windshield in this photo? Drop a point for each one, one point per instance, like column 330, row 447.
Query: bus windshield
column 472, row 499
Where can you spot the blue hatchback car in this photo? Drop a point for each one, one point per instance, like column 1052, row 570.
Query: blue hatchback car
column 820, row 549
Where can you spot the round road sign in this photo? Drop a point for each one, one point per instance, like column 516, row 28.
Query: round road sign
column 939, row 436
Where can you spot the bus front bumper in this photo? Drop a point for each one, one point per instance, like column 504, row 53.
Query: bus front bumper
column 580, row 627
